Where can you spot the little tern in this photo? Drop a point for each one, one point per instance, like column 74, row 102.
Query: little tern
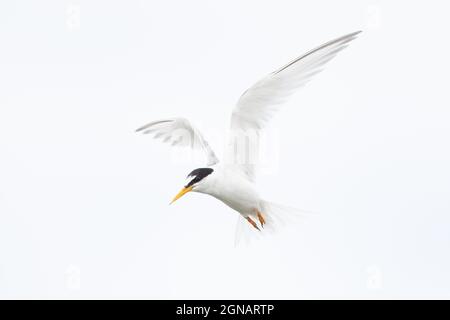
column 233, row 181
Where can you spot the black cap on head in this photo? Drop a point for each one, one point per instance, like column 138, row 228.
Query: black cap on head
column 198, row 175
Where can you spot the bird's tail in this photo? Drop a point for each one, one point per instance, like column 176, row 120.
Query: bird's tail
column 276, row 217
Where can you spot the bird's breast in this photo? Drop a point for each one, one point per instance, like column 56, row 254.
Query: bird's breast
column 236, row 192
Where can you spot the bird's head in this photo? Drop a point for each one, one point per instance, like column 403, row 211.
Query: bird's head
column 196, row 181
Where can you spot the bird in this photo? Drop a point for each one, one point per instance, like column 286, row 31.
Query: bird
column 233, row 180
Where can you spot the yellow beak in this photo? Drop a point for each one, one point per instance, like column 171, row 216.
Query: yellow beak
column 181, row 193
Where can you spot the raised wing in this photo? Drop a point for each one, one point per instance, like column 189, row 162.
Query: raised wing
column 180, row 132
column 257, row 105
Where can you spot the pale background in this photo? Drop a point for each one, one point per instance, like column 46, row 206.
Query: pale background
column 84, row 200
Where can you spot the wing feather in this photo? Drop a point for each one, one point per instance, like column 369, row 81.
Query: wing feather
column 179, row 132
column 259, row 103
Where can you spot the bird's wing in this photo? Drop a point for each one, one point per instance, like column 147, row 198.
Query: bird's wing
column 180, row 132
column 257, row 104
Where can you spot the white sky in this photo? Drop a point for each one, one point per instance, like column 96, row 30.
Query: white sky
column 84, row 200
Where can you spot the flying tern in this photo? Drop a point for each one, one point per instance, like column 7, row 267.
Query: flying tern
column 233, row 181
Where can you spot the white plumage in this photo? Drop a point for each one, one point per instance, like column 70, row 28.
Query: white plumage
column 180, row 132
column 232, row 180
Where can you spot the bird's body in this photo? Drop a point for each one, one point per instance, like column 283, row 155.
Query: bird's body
column 232, row 188
column 233, row 181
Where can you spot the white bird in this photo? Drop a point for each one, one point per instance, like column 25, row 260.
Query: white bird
column 233, row 181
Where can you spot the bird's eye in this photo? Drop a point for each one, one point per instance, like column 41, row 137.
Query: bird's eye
column 198, row 175
column 192, row 182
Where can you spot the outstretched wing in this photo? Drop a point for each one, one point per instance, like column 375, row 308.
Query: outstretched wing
column 180, row 132
column 257, row 105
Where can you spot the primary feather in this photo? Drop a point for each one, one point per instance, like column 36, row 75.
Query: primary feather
column 259, row 103
column 180, row 132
